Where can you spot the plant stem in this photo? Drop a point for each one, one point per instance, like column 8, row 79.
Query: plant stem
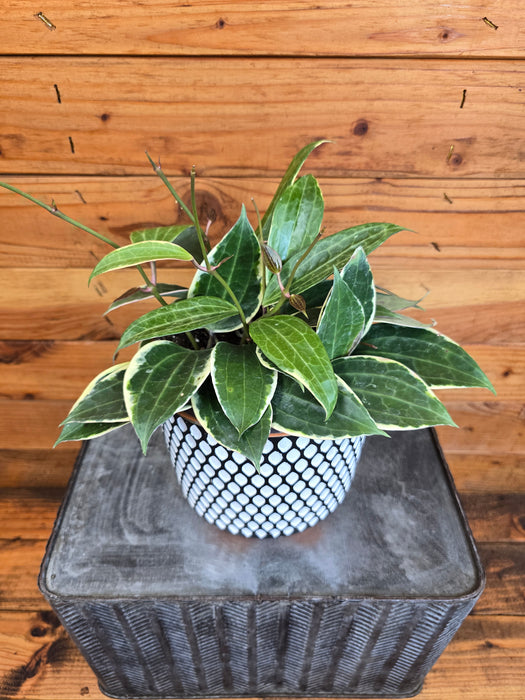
column 160, row 173
column 286, row 291
column 56, row 212
column 236, row 303
column 196, row 222
column 261, row 243
column 53, row 210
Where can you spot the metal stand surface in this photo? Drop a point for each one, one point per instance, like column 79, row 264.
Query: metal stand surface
column 162, row 604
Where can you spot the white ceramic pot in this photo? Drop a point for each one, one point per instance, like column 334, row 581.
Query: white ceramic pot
column 301, row 479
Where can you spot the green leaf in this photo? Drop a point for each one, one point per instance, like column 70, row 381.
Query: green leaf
column 384, row 315
column 343, row 319
column 297, row 218
column 208, row 412
column 142, row 293
column 295, row 412
column 287, row 180
column 241, row 270
column 160, row 379
column 296, row 350
column 394, row 395
column 332, row 251
column 159, row 233
column 102, row 401
column 185, row 315
column 393, row 302
column 244, row 387
column 138, row 253
column 439, row 361
column 86, row 431
column 358, row 276
column 186, row 236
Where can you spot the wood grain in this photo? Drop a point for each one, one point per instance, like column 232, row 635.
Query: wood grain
column 387, row 27
column 480, row 227
column 496, row 517
column 505, row 570
column 488, row 473
column 240, row 117
column 37, row 468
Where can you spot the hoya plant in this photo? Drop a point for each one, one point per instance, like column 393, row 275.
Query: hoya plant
column 282, row 329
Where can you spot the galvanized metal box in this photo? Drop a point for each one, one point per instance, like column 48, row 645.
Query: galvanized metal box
column 162, row 604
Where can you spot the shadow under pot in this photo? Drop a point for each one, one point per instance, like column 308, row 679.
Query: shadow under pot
column 301, row 479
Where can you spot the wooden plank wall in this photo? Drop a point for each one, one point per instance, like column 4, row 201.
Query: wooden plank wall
column 424, row 103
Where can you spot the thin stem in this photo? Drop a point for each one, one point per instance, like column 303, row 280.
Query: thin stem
column 261, row 243
column 196, row 222
column 153, row 288
column 56, row 212
column 157, row 168
column 285, row 292
column 236, row 303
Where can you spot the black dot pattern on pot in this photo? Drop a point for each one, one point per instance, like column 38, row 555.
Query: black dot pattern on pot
column 300, row 482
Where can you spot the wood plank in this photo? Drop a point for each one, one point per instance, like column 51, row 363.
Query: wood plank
column 487, row 473
column 62, row 369
column 505, row 570
column 21, row 561
column 243, row 117
column 485, row 427
column 496, row 517
column 484, row 660
column 475, row 306
column 495, row 428
column 28, row 513
column 39, row 662
column 388, row 27
column 460, row 232
column 38, row 468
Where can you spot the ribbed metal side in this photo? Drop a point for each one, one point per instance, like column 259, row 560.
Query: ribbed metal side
column 246, row 648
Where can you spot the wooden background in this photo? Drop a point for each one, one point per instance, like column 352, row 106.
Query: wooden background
column 424, row 102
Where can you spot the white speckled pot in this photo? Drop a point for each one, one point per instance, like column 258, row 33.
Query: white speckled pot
column 301, row 480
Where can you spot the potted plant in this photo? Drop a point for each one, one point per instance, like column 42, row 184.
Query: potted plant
column 271, row 368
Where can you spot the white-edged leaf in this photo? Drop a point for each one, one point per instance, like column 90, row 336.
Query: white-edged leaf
column 131, row 296
column 241, row 269
column 243, row 385
column 102, row 401
column 393, row 302
column 159, row 233
column 358, row 276
column 384, row 315
column 86, row 431
column 438, row 360
column 288, row 179
column 296, row 350
column 210, row 415
column 297, row 218
column 395, row 396
column 297, row 413
column 332, row 251
column 159, row 381
column 184, row 315
column 139, row 253
column 342, row 321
